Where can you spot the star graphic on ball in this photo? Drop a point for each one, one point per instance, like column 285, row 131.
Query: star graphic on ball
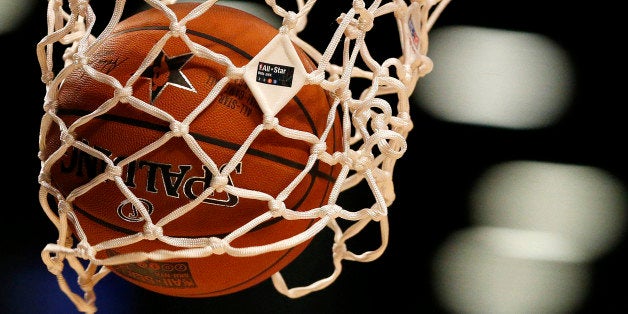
column 166, row 71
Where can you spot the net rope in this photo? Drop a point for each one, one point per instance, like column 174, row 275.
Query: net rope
column 375, row 126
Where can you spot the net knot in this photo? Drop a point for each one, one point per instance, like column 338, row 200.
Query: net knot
column 123, row 94
column 316, row 77
column 351, row 32
column 289, row 21
column 85, row 251
column 377, row 213
column 358, row 160
column 177, row 29
column 86, row 282
column 55, row 266
column 318, row 148
column 343, row 94
column 219, row 182
column 366, row 19
column 217, row 245
column 359, row 5
column 79, row 59
column 363, row 24
column 43, row 176
column 47, row 76
column 113, row 171
column 152, row 232
column 179, row 129
column 67, row 138
column 270, row 122
column 50, row 105
column 276, row 207
column 426, row 65
column 330, row 210
column 63, row 206
column 79, row 6
column 339, row 248
column 234, row 73
column 405, row 120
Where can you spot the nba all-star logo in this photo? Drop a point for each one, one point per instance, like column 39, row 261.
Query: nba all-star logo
column 166, row 71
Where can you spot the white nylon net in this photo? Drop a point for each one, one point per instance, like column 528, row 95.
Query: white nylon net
column 374, row 115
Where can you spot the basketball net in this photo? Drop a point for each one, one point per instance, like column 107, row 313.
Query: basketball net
column 375, row 123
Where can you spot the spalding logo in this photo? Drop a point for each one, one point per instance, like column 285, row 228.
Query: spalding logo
column 176, row 183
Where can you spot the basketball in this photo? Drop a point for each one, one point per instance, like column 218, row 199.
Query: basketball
column 172, row 173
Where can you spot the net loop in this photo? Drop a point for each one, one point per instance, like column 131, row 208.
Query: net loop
column 425, row 65
column 394, row 147
column 54, row 264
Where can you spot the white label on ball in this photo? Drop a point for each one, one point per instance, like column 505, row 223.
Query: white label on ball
column 275, row 75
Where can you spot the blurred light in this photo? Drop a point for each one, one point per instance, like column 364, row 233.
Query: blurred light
column 476, row 272
column 13, row 13
column 583, row 204
column 260, row 10
column 535, row 245
column 496, row 78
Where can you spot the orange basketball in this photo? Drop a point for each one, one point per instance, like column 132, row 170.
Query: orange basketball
column 172, row 175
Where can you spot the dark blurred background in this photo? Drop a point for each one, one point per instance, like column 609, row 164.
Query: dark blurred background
column 438, row 181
